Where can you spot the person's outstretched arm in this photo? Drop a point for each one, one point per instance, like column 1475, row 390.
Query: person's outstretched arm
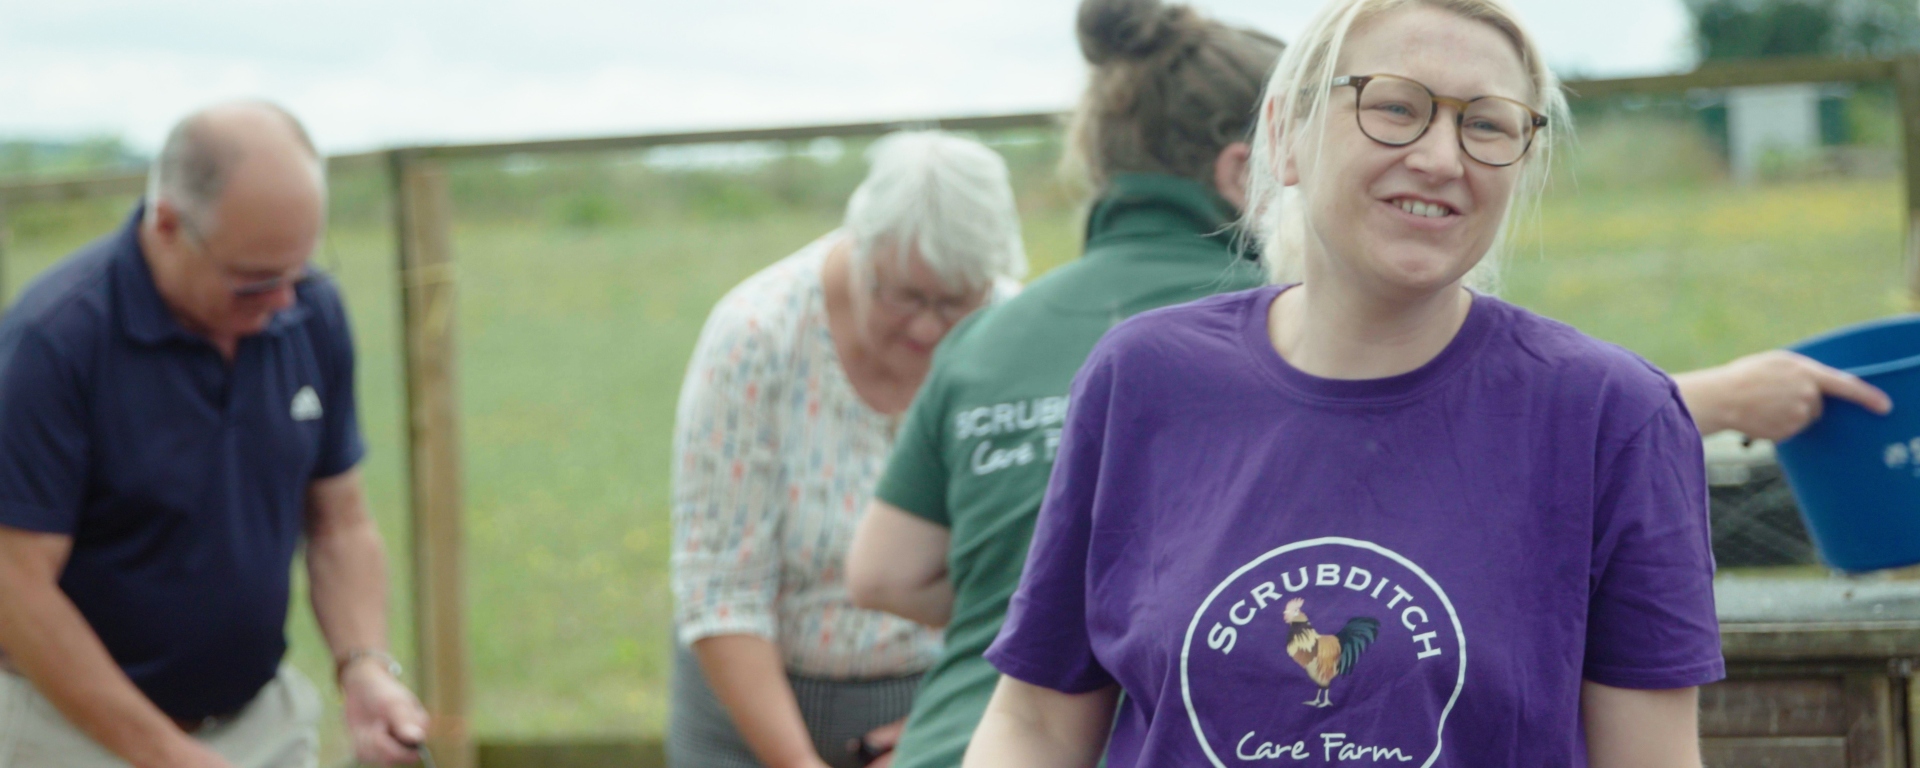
column 1641, row 729
column 1027, row 725
column 1771, row 395
column 347, row 574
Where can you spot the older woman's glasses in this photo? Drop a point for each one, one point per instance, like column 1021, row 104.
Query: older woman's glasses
column 909, row 302
column 1396, row 112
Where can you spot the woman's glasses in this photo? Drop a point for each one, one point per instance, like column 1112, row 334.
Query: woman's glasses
column 907, row 302
column 1396, row 112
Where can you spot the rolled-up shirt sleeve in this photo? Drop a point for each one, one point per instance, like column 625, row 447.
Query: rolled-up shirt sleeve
column 727, row 489
column 43, row 435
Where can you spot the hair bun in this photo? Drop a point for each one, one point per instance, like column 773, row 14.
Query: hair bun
column 1127, row 29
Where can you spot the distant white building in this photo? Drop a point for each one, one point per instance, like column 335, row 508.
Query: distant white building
column 1779, row 118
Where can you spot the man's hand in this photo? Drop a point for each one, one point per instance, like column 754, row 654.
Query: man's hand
column 347, row 578
column 1771, row 395
column 385, row 720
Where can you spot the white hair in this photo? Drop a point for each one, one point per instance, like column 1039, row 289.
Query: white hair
column 1297, row 99
column 943, row 199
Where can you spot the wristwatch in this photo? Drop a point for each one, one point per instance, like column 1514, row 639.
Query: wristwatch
column 340, row 665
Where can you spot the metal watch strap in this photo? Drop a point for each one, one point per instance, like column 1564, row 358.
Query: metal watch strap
column 340, row 666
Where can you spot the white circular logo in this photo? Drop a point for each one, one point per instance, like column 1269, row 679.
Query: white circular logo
column 1326, row 650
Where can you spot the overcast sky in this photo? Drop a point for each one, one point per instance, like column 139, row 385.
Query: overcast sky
column 371, row 73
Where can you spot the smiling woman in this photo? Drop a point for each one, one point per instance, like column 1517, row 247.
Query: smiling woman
column 1504, row 521
column 1370, row 103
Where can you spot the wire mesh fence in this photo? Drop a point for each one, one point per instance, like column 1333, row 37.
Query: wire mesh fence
column 1756, row 523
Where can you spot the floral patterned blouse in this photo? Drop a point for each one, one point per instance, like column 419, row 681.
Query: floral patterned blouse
column 775, row 458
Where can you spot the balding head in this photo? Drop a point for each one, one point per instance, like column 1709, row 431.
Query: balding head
column 236, row 205
column 207, row 149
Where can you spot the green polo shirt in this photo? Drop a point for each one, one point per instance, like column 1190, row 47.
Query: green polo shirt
column 978, row 444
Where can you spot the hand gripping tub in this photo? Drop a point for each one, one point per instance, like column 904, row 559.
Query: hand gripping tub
column 1857, row 475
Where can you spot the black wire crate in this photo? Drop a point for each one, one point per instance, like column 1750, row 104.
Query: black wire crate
column 1755, row 520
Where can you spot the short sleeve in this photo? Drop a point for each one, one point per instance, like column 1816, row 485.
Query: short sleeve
column 916, row 476
column 726, row 495
column 1650, row 619
column 341, row 447
column 44, row 445
column 1046, row 639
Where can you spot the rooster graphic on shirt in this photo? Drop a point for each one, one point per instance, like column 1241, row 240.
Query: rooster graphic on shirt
column 1326, row 658
column 1321, row 619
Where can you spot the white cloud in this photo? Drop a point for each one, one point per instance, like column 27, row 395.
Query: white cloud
column 365, row 73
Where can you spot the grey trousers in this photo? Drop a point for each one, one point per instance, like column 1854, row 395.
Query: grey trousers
column 700, row 732
column 275, row 730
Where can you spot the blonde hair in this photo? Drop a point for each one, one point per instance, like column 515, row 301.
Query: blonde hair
column 1298, row 95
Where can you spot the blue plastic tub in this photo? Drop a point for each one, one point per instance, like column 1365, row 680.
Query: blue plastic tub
column 1855, row 474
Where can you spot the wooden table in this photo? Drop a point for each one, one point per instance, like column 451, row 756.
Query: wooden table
column 1819, row 673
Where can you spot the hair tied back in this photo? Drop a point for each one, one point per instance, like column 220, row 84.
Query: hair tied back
column 1115, row 30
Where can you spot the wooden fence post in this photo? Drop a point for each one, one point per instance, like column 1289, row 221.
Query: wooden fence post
column 6, row 237
column 1906, row 83
column 423, row 228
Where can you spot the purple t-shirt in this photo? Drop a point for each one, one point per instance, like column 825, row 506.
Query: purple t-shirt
column 1280, row 569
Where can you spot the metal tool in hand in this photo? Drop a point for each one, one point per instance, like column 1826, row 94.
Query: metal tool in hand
column 420, row 748
column 426, row 755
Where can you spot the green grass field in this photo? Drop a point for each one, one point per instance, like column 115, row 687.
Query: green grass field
column 572, row 342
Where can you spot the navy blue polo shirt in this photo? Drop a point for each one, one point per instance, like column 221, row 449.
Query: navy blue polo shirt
column 181, row 478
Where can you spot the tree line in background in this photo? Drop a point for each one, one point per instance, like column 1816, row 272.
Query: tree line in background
column 1750, row 29
column 52, row 158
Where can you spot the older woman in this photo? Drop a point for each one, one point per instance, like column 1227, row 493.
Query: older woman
column 785, row 419
column 1161, row 133
column 1370, row 514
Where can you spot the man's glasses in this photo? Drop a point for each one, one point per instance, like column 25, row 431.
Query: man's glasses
column 271, row 284
column 1396, row 112
column 241, row 288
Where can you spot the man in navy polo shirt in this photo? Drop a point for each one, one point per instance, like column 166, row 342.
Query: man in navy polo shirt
column 176, row 419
